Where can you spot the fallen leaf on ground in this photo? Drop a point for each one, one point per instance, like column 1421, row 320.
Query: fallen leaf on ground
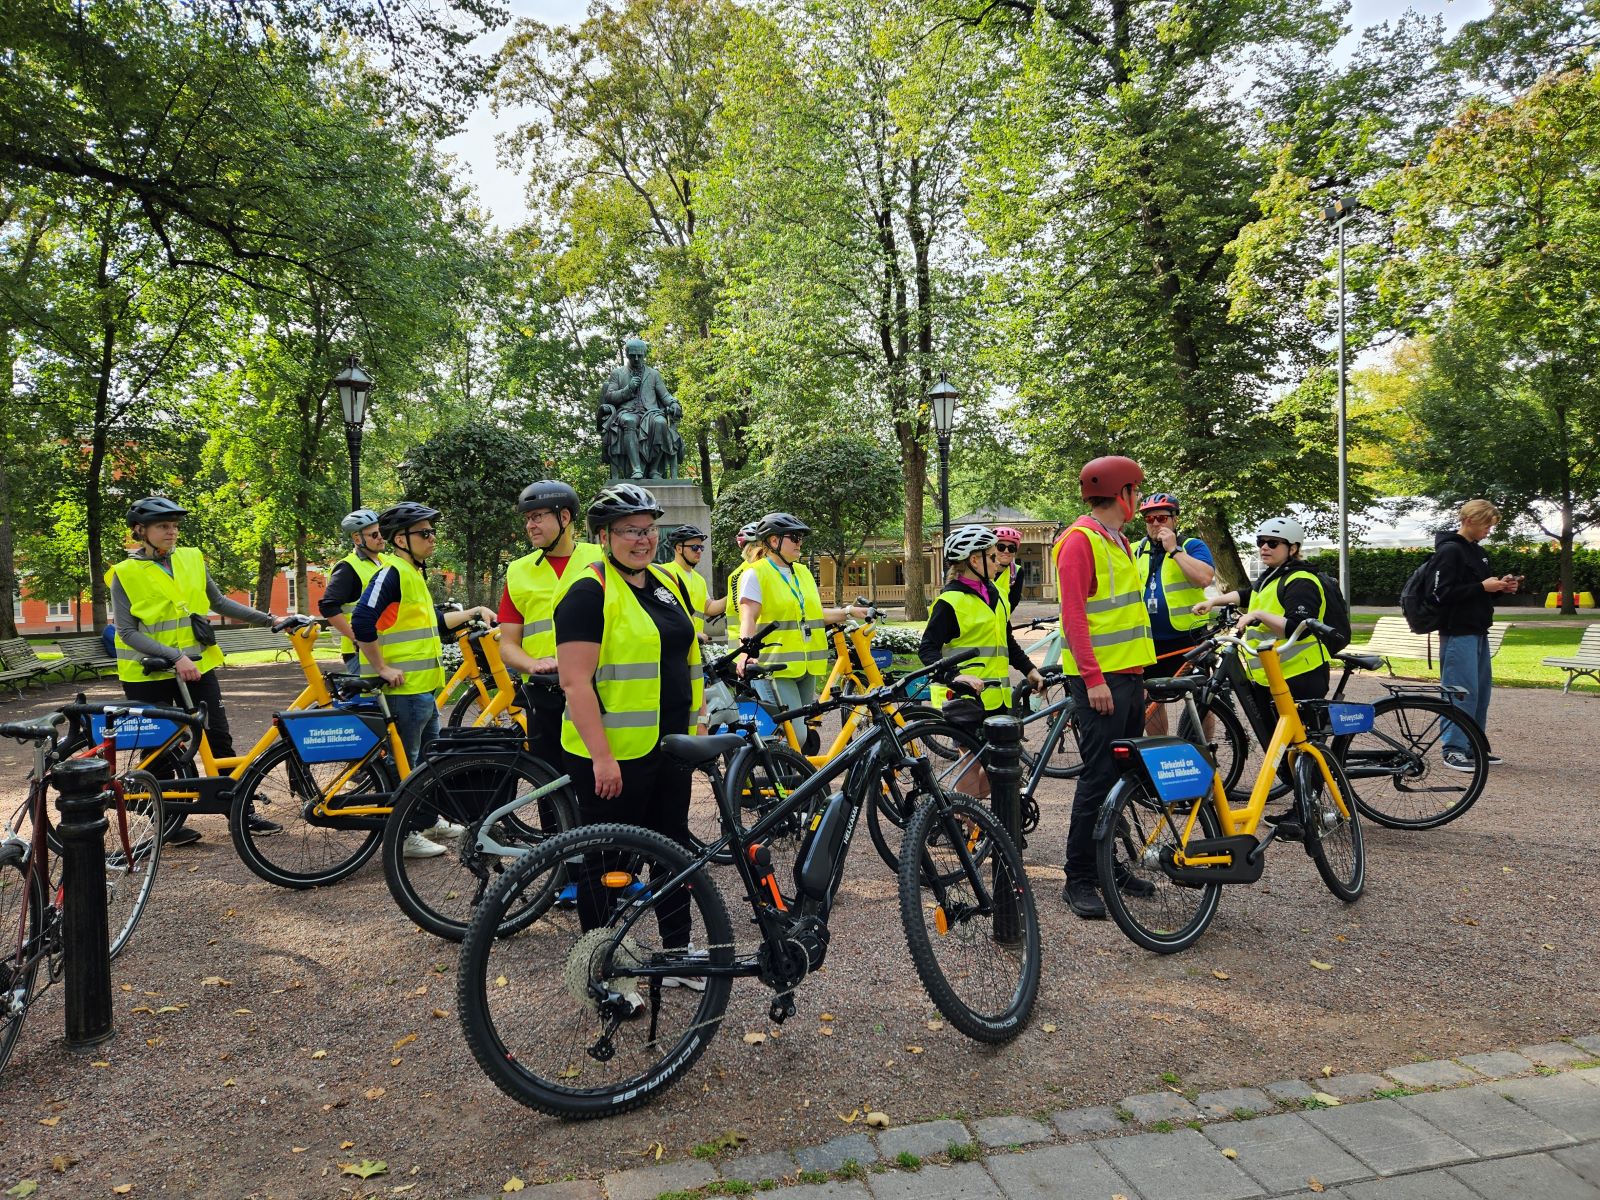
column 936, row 1025
column 1549, row 946
column 155, row 1041
column 405, row 1041
column 423, row 990
column 913, row 1049
column 851, row 1119
column 60, row 1162
column 657, row 1149
column 1229, row 1152
column 826, row 1031
column 122, row 1189
column 394, row 1062
column 243, row 1012
column 144, row 1008
column 878, row 1120
column 297, row 1149
column 825, row 1017
column 51, row 1121
column 376, row 1093
column 333, row 1104
column 347, row 1145
column 439, row 1014
column 1327, row 1072
column 229, row 1083
column 365, row 1169
column 499, row 981
column 216, row 981
column 26, row 1187
column 99, row 1064
column 319, row 1054
column 1220, row 975
column 1321, row 966
column 1315, row 1184
column 1049, row 1027
column 512, row 1185
column 754, row 1039
column 1324, row 1098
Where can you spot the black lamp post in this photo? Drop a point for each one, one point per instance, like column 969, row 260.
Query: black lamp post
column 1336, row 214
column 353, row 384
column 942, row 398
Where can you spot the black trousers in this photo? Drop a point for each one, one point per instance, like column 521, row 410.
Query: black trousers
column 655, row 794
column 1096, row 732
column 542, row 706
column 208, row 691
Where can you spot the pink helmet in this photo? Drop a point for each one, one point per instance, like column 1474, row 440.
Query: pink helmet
column 1005, row 533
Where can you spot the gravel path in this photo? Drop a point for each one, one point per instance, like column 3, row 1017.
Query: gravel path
column 334, row 1038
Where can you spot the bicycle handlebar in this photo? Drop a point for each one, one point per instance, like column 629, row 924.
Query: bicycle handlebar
column 354, row 683
column 944, row 671
column 150, row 711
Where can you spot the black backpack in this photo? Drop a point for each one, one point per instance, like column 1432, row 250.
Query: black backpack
column 1419, row 598
column 1336, row 614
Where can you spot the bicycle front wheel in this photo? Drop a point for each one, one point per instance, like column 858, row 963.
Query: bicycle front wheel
column 1333, row 837
column 133, row 851
column 1062, row 759
column 21, row 926
column 457, row 791
column 283, row 840
column 970, row 919
column 557, row 1015
column 1398, row 768
column 1154, row 910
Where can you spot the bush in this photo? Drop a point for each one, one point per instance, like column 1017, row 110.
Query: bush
column 1377, row 575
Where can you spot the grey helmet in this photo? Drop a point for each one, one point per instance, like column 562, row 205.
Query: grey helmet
column 548, row 493
column 155, row 508
column 618, row 500
column 358, row 520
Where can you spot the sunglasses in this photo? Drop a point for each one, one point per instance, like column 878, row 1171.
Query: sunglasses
column 697, row 547
column 1006, row 547
column 1269, row 543
column 427, row 533
column 1160, row 518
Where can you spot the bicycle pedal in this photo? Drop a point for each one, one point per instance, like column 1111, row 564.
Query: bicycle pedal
column 782, row 1009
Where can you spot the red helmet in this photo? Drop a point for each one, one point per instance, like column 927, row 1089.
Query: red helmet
column 1005, row 533
column 1107, row 476
column 1159, row 500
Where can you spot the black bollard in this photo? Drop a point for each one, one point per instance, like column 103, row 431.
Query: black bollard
column 85, row 943
column 1002, row 762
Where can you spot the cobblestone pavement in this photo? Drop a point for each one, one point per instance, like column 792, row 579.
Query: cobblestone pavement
column 1491, row 1126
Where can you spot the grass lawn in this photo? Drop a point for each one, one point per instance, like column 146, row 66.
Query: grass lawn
column 1520, row 661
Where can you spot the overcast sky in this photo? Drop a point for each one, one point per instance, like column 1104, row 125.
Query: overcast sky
column 502, row 192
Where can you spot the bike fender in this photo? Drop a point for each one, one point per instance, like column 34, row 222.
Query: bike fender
column 1108, row 806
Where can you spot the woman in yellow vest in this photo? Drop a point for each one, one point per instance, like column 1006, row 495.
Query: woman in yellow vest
column 778, row 587
column 1174, row 573
column 156, row 592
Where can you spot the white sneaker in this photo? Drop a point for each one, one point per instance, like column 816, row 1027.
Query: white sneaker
column 417, row 846
column 695, row 983
column 444, row 831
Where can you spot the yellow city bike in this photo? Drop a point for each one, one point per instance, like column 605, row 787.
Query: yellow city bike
column 1167, row 839
column 481, row 692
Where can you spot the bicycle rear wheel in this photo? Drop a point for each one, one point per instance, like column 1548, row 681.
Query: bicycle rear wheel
column 467, row 710
column 309, row 850
column 1333, row 838
column 440, row 892
column 557, row 1016
column 21, row 925
column 757, row 787
column 1397, row 768
column 898, row 794
column 970, row 919
column 1063, row 760
column 1154, row 910
column 131, row 864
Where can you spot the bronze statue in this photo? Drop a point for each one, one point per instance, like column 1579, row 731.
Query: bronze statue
column 638, row 420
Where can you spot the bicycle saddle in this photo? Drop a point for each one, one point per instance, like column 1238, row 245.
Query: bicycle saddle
column 1162, row 690
column 152, row 663
column 694, row 751
column 1367, row 662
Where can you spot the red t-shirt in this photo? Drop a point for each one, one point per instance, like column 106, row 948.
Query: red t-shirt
column 508, row 611
column 1076, row 578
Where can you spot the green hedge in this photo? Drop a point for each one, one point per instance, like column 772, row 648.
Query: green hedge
column 1376, row 576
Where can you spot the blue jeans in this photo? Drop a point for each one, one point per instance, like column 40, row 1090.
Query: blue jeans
column 1464, row 663
column 416, row 719
column 784, row 692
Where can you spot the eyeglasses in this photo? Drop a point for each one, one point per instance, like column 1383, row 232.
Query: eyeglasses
column 634, row 533
column 1269, row 543
column 1158, row 518
column 1006, row 547
column 427, row 533
column 697, row 547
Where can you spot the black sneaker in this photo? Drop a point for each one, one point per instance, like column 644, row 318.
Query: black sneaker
column 1459, row 760
column 183, row 835
column 262, row 825
column 1083, row 898
column 1288, row 826
column 1130, row 884
column 1494, row 760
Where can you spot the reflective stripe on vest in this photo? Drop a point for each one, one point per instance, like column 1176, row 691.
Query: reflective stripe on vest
column 1180, row 594
column 1308, row 654
column 627, row 679
column 535, row 587
column 365, row 568
column 411, row 640
column 791, row 652
column 1119, row 625
column 163, row 604
column 983, row 631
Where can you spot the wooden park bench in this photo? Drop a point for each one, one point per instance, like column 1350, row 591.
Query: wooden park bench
column 242, row 639
column 86, row 655
column 20, row 664
column 1585, row 662
column 1392, row 638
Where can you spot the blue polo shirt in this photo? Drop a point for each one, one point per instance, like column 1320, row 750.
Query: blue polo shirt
column 1155, row 600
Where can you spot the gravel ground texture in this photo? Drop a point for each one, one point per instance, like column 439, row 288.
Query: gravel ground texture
column 265, row 1038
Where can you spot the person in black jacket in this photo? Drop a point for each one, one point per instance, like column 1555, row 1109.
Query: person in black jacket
column 1464, row 593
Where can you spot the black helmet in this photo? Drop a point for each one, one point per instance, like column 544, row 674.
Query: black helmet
column 685, row 533
column 155, row 508
column 403, row 516
column 618, row 500
column 548, row 493
column 775, row 524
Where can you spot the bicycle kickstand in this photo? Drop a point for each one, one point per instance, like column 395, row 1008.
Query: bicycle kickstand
column 782, row 1008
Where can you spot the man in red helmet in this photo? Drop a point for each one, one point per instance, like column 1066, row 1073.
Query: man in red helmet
column 1106, row 638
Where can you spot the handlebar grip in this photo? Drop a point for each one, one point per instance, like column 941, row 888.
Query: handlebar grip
column 1319, row 628
column 28, row 733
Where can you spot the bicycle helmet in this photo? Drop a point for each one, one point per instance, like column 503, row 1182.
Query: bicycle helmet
column 548, row 493
column 1286, row 528
column 747, row 533
column 358, row 520
column 967, row 540
column 1158, row 500
column 618, row 500
column 685, row 533
column 155, row 508
column 1004, row 533
column 1108, row 475
column 777, row 524
column 400, row 517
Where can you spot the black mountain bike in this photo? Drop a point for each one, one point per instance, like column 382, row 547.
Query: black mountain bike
column 594, row 1009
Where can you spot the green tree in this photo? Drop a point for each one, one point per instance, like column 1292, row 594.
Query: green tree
column 843, row 485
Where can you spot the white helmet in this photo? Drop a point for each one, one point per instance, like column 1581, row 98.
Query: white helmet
column 1286, row 528
column 967, row 540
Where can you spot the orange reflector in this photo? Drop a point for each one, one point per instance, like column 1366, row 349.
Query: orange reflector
column 940, row 921
column 616, row 879
column 972, row 840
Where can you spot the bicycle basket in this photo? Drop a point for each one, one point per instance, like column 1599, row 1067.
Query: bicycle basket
column 133, row 733
column 1325, row 717
column 325, row 735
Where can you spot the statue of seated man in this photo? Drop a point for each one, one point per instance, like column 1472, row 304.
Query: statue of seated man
column 638, row 420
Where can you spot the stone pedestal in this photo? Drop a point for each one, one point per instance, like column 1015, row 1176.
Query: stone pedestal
column 684, row 506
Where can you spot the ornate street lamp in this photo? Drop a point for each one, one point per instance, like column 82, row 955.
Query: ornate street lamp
column 942, row 398
column 353, row 384
column 1336, row 214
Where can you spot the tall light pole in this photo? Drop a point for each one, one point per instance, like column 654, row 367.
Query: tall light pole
column 353, row 384
column 942, row 398
column 1336, row 214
